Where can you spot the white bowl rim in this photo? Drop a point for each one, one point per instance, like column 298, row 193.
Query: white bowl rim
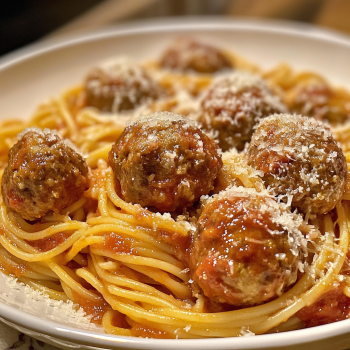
column 172, row 24
column 68, row 333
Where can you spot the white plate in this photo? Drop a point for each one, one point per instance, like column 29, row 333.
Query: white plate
column 36, row 73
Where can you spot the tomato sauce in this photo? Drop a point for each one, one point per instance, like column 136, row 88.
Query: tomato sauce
column 51, row 242
column 96, row 179
column 15, row 201
column 179, row 243
column 333, row 306
column 9, row 269
column 118, row 320
column 116, row 244
column 95, row 309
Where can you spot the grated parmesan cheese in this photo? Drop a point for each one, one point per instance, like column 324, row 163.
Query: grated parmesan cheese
column 34, row 302
column 300, row 159
column 51, row 135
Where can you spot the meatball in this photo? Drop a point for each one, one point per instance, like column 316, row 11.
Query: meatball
column 233, row 105
column 164, row 161
column 44, row 174
column 191, row 55
column 317, row 100
column 299, row 158
column 248, row 248
column 119, row 86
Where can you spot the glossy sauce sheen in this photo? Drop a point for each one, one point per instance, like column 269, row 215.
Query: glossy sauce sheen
column 117, row 244
column 241, row 256
column 95, row 309
column 333, row 306
column 9, row 269
column 50, row 242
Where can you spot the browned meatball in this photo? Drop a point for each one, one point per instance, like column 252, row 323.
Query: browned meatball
column 244, row 254
column 119, row 86
column 191, row 55
column 44, row 174
column 164, row 161
column 300, row 158
column 233, row 105
column 317, row 100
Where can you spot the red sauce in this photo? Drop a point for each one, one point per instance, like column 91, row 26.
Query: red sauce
column 138, row 330
column 333, row 306
column 96, row 179
column 179, row 243
column 142, row 213
column 50, row 242
column 116, row 244
column 15, row 201
column 95, row 309
column 9, row 269
column 118, row 320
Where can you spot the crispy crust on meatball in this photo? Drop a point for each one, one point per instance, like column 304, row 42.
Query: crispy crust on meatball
column 164, row 161
column 233, row 105
column 247, row 249
column 44, row 174
column 118, row 86
column 190, row 55
column 299, row 157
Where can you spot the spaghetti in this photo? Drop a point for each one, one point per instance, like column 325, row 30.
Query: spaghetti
column 122, row 263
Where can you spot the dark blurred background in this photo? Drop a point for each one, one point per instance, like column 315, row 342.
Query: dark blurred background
column 25, row 21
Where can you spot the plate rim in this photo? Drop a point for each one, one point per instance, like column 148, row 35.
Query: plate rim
column 172, row 24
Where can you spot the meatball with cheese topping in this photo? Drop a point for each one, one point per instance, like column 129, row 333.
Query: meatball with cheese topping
column 164, row 161
column 299, row 158
column 317, row 100
column 118, row 86
column 233, row 105
column 190, row 55
column 248, row 248
column 44, row 174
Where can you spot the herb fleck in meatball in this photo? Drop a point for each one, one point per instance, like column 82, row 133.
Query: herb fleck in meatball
column 299, row 157
column 164, row 161
column 233, row 105
column 191, row 55
column 119, row 86
column 317, row 100
column 44, row 174
column 248, row 248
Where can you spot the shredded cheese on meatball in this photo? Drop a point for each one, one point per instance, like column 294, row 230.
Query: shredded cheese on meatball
column 241, row 83
column 307, row 163
column 165, row 119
